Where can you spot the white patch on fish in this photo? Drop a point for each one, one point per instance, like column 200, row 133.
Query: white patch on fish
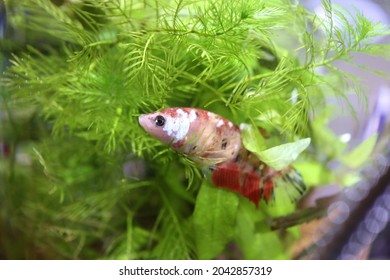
column 177, row 127
column 219, row 123
column 192, row 116
column 230, row 124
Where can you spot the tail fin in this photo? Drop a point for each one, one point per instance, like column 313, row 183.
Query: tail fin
column 254, row 184
column 250, row 184
column 230, row 176
column 292, row 176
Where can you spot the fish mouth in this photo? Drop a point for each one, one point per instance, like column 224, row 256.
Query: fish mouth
column 146, row 123
column 142, row 120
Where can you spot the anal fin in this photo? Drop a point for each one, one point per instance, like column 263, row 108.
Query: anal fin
column 227, row 175
column 251, row 188
column 268, row 189
column 230, row 176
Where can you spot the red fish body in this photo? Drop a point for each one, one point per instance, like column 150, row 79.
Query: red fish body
column 211, row 140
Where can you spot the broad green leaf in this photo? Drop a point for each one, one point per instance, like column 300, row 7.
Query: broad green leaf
column 315, row 173
column 284, row 200
column 277, row 157
column 268, row 246
column 254, row 237
column 214, row 220
column 361, row 153
column 283, row 155
column 252, row 139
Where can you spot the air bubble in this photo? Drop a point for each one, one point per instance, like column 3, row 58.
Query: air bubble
column 354, row 194
column 376, row 220
column 386, row 200
column 363, row 236
column 338, row 212
column 350, row 251
column 381, row 214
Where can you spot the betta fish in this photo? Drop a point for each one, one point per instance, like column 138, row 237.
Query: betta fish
column 211, row 140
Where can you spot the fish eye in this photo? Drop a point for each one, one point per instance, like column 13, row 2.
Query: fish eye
column 159, row 121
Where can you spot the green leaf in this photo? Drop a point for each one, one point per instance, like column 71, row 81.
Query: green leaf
column 283, row 203
column 254, row 237
column 283, row 155
column 315, row 173
column 361, row 153
column 214, row 220
column 277, row 157
column 252, row 139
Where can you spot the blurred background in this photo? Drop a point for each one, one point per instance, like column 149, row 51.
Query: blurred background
column 374, row 120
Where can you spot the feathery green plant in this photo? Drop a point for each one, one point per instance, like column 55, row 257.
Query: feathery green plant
column 73, row 92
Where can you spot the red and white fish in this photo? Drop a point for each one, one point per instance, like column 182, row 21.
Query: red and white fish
column 211, row 140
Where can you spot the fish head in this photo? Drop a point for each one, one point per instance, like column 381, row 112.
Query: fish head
column 170, row 125
column 153, row 124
